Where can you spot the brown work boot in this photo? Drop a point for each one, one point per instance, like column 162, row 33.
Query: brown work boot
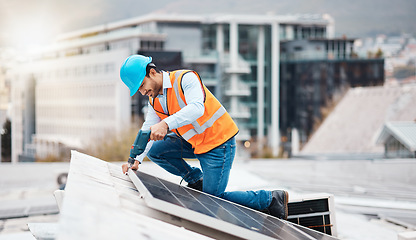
column 278, row 207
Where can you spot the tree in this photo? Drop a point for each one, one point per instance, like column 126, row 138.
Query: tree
column 6, row 141
column 113, row 146
column 379, row 53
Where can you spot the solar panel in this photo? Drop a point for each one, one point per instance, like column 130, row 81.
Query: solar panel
column 216, row 213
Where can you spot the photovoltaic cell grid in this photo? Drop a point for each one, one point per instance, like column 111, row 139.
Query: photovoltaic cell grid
column 215, row 212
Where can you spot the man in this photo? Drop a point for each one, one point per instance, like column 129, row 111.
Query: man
column 202, row 129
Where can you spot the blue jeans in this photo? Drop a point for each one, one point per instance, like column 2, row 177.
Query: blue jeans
column 216, row 166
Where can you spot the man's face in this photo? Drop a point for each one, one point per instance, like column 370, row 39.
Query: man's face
column 151, row 85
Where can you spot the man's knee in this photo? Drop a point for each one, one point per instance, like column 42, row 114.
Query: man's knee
column 216, row 192
column 157, row 150
column 153, row 154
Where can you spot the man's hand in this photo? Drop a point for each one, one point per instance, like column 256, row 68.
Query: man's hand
column 125, row 167
column 159, row 131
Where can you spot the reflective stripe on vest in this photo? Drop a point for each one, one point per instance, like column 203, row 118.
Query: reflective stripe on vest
column 192, row 132
column 198, row 129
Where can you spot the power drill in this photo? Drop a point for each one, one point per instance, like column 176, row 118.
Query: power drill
column 139, row 145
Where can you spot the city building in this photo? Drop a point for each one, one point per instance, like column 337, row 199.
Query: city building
column 66, row 101
column 242, row 59
column 399, row 53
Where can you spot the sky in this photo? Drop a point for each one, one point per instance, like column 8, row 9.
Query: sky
column 34, row 22
column 39, row 21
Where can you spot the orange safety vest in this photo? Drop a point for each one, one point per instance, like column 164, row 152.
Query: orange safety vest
column 212, row 129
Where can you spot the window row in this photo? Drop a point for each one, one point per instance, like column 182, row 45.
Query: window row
column 78, row 71
column 95, row 113
column 85, row 132
column 75, row 91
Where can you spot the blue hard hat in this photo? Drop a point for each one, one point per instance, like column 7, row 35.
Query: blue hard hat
column 133, row 71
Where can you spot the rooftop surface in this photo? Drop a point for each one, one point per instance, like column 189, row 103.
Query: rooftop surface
column 101, row 202
column 369, row 195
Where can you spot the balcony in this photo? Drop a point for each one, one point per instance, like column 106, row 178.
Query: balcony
column 207, row 57
column 240, row 111
column 303, row 55
column 240, row 88
column 314, row 55
column 242, row 66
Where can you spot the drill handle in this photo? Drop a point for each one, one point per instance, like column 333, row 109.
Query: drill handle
column 139, row 144
column 142, row 138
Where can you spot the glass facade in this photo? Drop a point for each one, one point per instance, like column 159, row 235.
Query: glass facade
column 247, row 42
column 209, row 38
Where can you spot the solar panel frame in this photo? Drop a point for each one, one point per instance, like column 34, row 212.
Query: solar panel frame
column 208, row 218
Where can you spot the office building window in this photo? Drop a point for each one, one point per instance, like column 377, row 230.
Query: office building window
column 152, row 45
column 209, row 34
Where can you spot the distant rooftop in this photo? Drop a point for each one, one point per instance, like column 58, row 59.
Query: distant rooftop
column 322, row 19
column 355, row 123
column 404, row 132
